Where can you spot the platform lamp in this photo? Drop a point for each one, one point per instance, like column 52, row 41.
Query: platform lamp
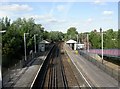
column 101, row 42
column 25, row 45
column 3, row 31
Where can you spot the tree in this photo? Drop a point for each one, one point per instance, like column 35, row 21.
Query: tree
column 110, row 39
column 12, row 46
column 72, row 33
column 56, row 36
column 13, row 43
column 95, row 40
column 45, row 35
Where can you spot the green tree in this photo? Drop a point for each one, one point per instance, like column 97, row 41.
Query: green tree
column 95, row 40
column 45, row 35
column 56, row 36
column 110, row 39
column 72, row 33
column 13, row 44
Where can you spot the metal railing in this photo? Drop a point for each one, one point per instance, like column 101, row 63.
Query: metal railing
column 112, row 72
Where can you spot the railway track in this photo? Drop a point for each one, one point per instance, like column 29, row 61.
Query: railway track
column 56, row 77
column 57, row 72
column 52, row 74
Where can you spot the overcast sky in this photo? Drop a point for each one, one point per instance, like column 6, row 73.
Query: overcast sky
column 59, row 16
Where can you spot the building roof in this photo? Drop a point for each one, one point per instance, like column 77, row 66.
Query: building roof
column 71, row 41
column 44, row 41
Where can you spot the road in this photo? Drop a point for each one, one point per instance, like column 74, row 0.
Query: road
column 90, row 72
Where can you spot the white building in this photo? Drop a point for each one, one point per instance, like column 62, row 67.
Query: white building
column 80, row 46
column 72, row 44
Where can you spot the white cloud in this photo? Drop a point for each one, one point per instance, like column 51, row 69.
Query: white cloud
column 15, row 7
column 4, row 14
column 107, row 12
column 42, row 17
column 99, row 2
column 60, row 8
column 53, row 20
column 107, row 19
column 45, row 18
column 38, row 18
column 89, row 20
column 64, row 9
column 62, row 21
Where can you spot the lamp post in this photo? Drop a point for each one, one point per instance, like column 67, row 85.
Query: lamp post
column 1, row 77
column 70, row 36
column 88, row 42
column 77, row 38
column 102, row 42
column 35, row 41
column 25, row 45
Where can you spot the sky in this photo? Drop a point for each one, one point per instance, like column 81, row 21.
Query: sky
column 59, row 16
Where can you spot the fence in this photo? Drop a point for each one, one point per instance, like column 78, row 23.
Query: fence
column 112, row 72
column 110, row 52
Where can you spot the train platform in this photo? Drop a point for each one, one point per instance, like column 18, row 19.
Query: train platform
column 91, row 73
column 30, row 74
column 106, row 63
column 25, row 77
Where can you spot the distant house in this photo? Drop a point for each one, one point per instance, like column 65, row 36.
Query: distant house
column 42, row 45
column 72, row 44
column 80, row 46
